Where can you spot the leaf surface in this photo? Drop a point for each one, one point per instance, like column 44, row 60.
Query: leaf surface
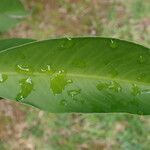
column 8, row 43
column 90, row 74
column 11, row 12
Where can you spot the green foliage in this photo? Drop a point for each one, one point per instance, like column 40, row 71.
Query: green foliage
column 11, row 12
column 78, row 75
column 9, row 43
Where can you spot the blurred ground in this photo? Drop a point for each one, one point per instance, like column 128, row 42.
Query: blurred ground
column 23, row 128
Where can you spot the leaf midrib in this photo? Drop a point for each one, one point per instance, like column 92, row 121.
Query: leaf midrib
column 96, row 77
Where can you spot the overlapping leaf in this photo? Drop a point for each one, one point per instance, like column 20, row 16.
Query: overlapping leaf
column 11, row 11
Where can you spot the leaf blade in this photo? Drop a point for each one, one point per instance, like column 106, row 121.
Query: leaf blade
column 11, row 12
column 79, row 75
column 9, row 43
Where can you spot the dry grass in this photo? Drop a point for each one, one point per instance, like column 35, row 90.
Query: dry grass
column 23, row 128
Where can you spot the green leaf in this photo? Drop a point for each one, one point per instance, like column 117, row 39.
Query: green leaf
column 11, row 12
column 78, row 75
column 8, row 43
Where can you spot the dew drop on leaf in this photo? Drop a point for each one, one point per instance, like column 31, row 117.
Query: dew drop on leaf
column 113, row 44
column 66, row 44
column 58, row 82
column 69, row 81
column 26, row 88
column 135, row 90
column 113, row 85
column 68, row 38
column 24, row 69
column 146, row 91
column 140, row 60
column 47, row 69
column 101, row 86
column 3, row 78
column 140, row 77
column 74, row 93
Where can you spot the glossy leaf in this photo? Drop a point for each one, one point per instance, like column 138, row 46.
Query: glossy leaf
column 8, row 43
column 78, row 75
column 11, row 12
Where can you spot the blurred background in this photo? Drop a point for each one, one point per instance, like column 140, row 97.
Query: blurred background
column 25, row 128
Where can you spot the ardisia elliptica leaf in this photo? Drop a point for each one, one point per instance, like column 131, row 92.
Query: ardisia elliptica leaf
column 11, row 12
column 8, row 43
column 88, row 74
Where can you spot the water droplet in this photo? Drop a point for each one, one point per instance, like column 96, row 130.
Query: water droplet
column 113, row 44
column 63, row 102
column 140, row 60
column 101, row 86
column 24, row 69
column 74, row 93
column 68, row 38
column 3, row 78
column 79, row 63
column 146, row 91
column 47, row 69
column 135, row 90
column 26, row 88
column 69, row 81
column 113, row 85
column 58, row 82
column 141, row 77
column 66, row 44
